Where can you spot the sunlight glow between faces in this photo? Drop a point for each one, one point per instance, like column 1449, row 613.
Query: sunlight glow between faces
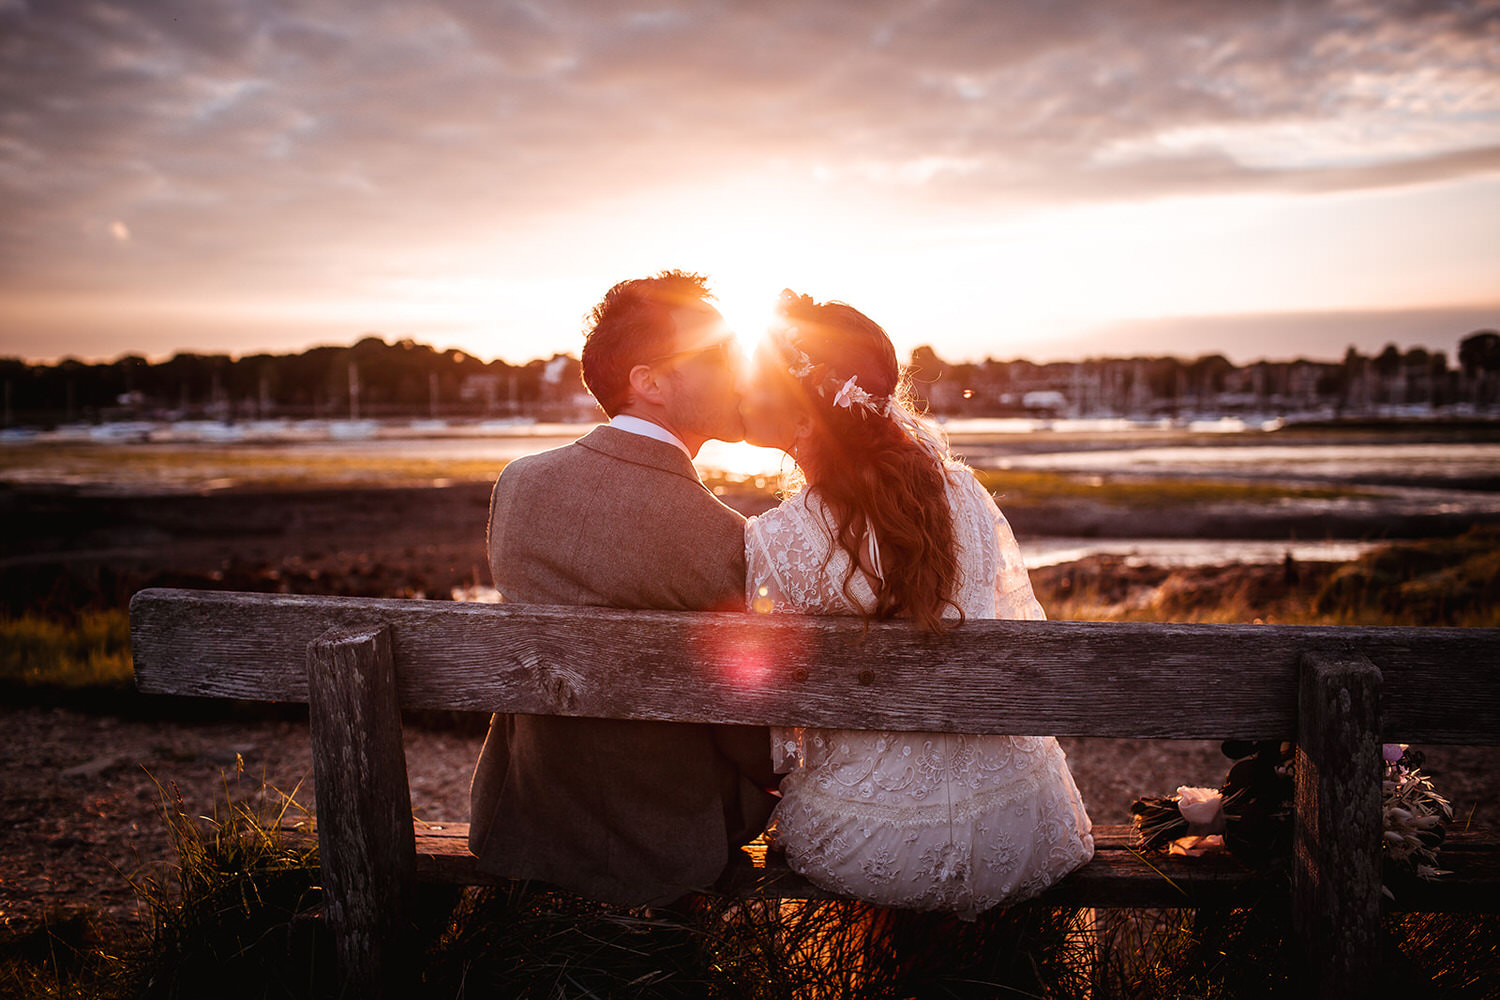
column 737, row 461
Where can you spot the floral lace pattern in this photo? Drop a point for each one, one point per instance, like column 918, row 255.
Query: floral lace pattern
column 919, row 820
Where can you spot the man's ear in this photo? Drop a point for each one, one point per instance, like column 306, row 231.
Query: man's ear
column 645, row 385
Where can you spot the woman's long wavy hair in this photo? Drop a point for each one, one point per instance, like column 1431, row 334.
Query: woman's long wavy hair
column 872, row 476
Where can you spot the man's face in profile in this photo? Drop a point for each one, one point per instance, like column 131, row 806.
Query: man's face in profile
column 703, row 370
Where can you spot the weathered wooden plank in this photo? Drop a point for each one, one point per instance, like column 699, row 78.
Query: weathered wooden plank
column 1119, row 875
column 1127, row 679
column 1337, row 827
column 365, row 845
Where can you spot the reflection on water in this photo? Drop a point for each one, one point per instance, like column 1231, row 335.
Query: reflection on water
column 1186, row 551
column 190, row 457
column 1342, row 462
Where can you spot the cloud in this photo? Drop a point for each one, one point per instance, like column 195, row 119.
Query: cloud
column 262, row 146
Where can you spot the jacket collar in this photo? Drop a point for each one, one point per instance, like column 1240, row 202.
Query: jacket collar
column 639, row 450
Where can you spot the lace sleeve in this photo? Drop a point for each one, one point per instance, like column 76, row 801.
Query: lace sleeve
column 765, row 567
column 993, row 576
column 1013, row 594
column 781, row 577
column 791, row 564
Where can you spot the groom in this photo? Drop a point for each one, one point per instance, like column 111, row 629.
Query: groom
column 621, row 811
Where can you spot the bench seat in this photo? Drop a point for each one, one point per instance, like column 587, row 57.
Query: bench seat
column 1121, row 875
column 1337, row 693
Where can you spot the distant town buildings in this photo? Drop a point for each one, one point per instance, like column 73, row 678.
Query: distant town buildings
column 1415, row 383
column 377, row 380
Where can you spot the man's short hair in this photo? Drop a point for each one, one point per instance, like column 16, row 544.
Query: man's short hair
column 631, row 325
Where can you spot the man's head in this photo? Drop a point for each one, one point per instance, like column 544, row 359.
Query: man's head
column 657, row 349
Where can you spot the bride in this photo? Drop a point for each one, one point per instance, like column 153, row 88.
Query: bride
column 886, row 525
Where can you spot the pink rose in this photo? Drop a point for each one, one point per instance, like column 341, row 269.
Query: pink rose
column 1203, row 808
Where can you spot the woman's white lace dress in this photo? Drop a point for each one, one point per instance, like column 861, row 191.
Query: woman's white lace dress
column 928, row 821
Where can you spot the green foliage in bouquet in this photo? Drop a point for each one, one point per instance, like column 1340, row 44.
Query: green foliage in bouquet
column 1414, row 814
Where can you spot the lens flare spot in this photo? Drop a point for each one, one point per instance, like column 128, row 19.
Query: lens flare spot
column 762, row 604
column 748, row 668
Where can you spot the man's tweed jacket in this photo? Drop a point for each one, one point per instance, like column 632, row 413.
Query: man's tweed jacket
column 621, row 811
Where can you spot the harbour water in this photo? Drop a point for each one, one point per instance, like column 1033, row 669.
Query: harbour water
column 1216, row 449
column 1447, row 473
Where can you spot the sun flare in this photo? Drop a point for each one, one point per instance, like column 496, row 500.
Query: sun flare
column 750, row 311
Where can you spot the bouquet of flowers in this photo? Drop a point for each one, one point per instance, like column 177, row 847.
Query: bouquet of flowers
column 1414, row 814
column 1250, row 815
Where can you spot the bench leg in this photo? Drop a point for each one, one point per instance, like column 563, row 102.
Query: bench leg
column 1336, row 859
column 365, row 843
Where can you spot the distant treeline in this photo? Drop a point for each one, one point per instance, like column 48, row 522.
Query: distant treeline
column 374, row 378
column 370, row 379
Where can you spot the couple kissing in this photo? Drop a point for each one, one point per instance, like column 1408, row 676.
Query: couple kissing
column 885, row 524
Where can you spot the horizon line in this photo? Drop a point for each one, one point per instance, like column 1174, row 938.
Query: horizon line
column 1134, row 324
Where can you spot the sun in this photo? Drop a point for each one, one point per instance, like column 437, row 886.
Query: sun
column 749, row 309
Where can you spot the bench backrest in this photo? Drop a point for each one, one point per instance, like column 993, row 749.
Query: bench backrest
column 1120, row 679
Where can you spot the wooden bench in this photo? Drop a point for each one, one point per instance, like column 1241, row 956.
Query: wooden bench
column 1338, row 692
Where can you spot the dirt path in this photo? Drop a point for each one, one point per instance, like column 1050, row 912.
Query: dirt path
column 80, row 794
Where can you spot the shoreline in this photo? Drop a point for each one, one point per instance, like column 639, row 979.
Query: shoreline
column 72, row 549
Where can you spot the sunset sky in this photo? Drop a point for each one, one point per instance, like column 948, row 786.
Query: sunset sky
column 1048, row 180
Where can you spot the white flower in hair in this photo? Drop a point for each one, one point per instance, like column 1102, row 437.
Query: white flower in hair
column 845, row 396
column 803, row 367
column 852, row 394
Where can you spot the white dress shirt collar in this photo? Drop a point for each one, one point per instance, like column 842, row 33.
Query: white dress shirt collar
column 645, row 428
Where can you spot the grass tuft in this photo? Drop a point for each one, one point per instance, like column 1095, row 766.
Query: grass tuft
column 234, row 917
column 519, row 941
column 1444, row 581
column 71, row 955
column 238, row 917
column 1023, row 486
column 90, row 651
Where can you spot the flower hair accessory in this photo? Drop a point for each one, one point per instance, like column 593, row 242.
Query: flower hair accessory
column 848, row 395
column 852, row 396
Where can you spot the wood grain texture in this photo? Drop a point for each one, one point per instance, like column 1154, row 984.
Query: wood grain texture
column 1126, row 679
column 365, row 844
column 1338, row 821
column 1120, row 874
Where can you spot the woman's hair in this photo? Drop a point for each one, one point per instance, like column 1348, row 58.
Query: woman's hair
column 864, row 466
